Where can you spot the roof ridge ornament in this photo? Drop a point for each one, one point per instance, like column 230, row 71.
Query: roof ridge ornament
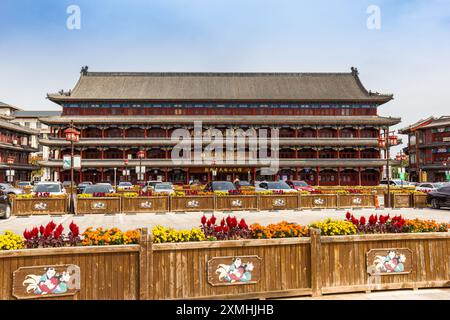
column 355, row 71
column 84, row 70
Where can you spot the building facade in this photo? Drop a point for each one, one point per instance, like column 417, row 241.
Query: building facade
column 15, row 144
column 428, row 149
column 328, row 125
column 30, row 119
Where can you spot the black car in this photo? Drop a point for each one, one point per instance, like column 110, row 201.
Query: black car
column 5, row 206
column 439, row 198
column 82, row 186
column 224, row 186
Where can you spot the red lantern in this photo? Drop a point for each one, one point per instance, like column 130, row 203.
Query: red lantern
column 10, row 160
column 393, row 140
column 141, row 154
column 72, row 135
column 381, row 142
column 125, row 162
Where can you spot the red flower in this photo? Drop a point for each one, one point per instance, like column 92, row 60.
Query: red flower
column 213, row 219
column 42, row 230
column 34, row 232
column 222, row 222
column 51, row 225
column 48, row 231
column 362, row 220
column 218, row 229
column 58, row 231
column 373, row 219
column 225, row 229
column 348, row 215
column 203, row 220
column 74, row 229
column 228, row 220
column 233, row 222
column 208, row 223
column 242, row 224
column 27, row 234
column 354, row 220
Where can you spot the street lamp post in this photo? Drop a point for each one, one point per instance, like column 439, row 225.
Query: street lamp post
column 73, row 136
column 10, row 162
column 385, row 142
column 141, row 155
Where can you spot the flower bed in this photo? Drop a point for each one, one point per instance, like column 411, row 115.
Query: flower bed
column 278, row 230
column 54, row 236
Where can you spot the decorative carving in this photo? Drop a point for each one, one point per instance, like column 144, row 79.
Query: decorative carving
column 238, row 270
column 84, row 70
column 389, row 261
column 46, row 281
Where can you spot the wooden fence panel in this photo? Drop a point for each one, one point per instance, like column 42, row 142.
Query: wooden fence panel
column 180, row 271
column 39, row 206
column 356, row 201
column 192, row 203
column 420, row 201
column 145, row 204
column 278, row 202
column 105, row 205
column 235, row 203
column 345, row 264
column 107, row 273
column 318, row 201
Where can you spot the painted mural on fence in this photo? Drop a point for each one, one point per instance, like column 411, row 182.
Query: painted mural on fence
column 234, row 270
column 35, row 282
column 389, row 261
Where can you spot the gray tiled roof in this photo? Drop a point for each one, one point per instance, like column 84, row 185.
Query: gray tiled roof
column 220, row 87
column 37, row 113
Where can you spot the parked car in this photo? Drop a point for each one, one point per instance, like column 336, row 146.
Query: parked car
column 164, row 187
column 150, row 185
column 395, row 183
column 81, row 186
column 9, row 189
column 54, row 188
column 276, row 186
column 5, row 206
column 98, row 188
column 439, row 198
column 22, row 184
column 300, row 185
column 223, row 186
column 125, row 185
column 429, row 186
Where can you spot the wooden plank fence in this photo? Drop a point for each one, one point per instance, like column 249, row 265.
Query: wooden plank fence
column 243, row 269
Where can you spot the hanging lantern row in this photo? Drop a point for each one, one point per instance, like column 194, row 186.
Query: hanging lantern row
column 400, row 157
column 393, row 141
column 72, row 135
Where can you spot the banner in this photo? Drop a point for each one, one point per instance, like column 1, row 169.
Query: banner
column 66, row 162
column 77, row 162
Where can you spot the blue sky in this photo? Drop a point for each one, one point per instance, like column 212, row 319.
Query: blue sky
column 408, row 56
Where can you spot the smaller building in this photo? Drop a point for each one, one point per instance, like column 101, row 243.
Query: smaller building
column 30, row 119
column 15, row 144
column 429, row 149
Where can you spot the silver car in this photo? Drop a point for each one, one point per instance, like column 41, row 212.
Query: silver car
column 8, row 189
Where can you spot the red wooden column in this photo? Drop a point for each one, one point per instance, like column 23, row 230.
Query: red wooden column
column 296, row 174
column 339, row 176
column 317, row 176
column 359, row 176
column 124, row 132
column 254, row 174
column 166, row 174
column 187, row 176
column 296, row 132
column 145, row 133
column 358, row 132
column 102, row 174
column 103, row 132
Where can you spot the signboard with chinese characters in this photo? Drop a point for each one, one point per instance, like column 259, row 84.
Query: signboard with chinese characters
column 46, row 281
column 66, row 162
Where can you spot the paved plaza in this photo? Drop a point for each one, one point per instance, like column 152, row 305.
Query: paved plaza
column 192, row 219
column 421, row 294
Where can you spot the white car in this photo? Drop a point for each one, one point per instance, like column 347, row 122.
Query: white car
column 429, row 186
column 53, row 188
column 164, row 187
column 123, row 185
column 275, row 186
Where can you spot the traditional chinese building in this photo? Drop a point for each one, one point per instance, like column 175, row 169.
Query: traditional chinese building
column 428, row 149
column 15, row 146
column 328, row 124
